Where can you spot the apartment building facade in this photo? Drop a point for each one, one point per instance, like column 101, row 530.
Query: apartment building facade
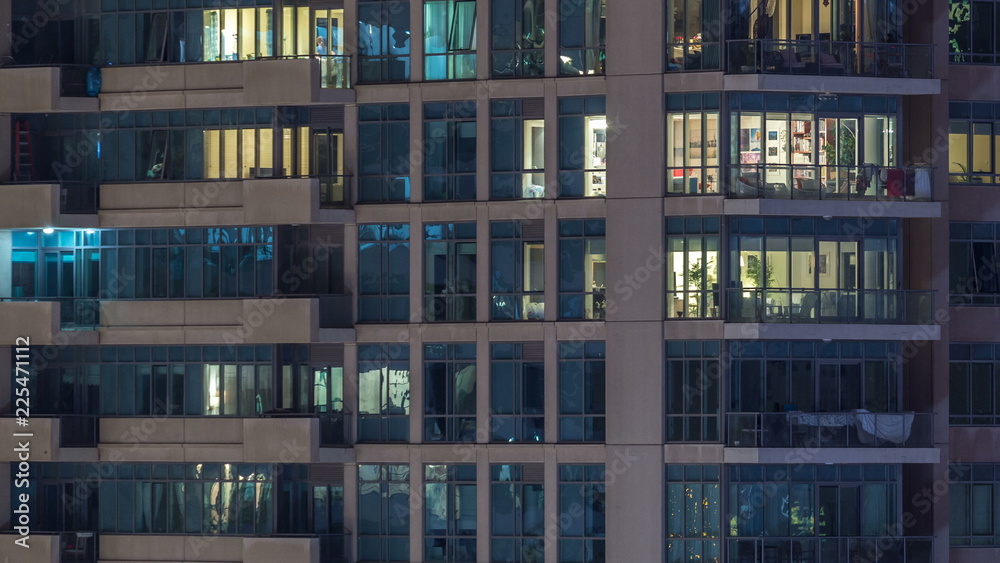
column 499, row 280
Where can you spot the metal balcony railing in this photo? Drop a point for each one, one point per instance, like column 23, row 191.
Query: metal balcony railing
column 854, row 182
column 78, row 547
column 830, row 58
column 853, row 429
column 811, row 305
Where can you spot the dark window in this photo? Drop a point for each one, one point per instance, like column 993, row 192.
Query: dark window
column 581, row 391
column 383, row 512
column 450, row 272
column 450, row 513
column 383, row 153
column 449, row 151
column 581, row 37
column 517, row 393
column 974, row 394
column 450, row 392
column 582, row 503
column 974, row 264
column 582, row 262
column 383, row 273
column 517, row 506
column 692, row 404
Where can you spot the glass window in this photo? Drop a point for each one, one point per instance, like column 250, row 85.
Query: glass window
column 805, row 155
column 694, row 513
column 450, row 272
column 795, row 506
column 974, row 395
column 450, row 392
column 449, row 151
column 973, row 143
column 517, row 154
column 517, row 258
column 517, row 506
column 581, row 391
column 692, row 388
column 450, row 513
column 518, row 38
column 581, row 37
column 582, row 500
column 383, row 273
column 693, row 268
column 848, row 275
column 383, row 512
column 449, row 39
column 974, row 264
column 383, row 393
column 972, row 31
column 583, row 137
column 693, row 144
column 384, row 153
column 172, row 498
column 693, row 34
column 517, row 392
column 582, row 262
column 383, row 41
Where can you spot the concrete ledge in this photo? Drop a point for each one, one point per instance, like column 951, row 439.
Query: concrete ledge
column 974, row 444
column 693, row 453
column 36, row 90
column 44, row 548
column 269, row 550
column 840, row 84
column 43, row 445
column 831, row 455
column 808, row 331
column 974, row 555
column 823, row 208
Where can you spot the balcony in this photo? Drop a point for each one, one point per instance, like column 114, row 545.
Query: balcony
column 812, row 305
column 854, row 429
column 885, row 548
column 334, row 70
column 31, row 205
column 46, row 89
column 334, row 192
column 297, row 80
column 830, row 58
column 836, row 183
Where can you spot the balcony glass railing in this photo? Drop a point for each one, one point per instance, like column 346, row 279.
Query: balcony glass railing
column 78, row 431
column 810, row 305
column 853, row 183
column 82, row 313
column 830, row 58
column 852, row 429
column 869, row 549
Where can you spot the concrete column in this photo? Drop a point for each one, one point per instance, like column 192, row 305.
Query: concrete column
column 416, row 145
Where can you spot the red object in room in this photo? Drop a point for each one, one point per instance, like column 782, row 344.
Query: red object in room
column 894, row 182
